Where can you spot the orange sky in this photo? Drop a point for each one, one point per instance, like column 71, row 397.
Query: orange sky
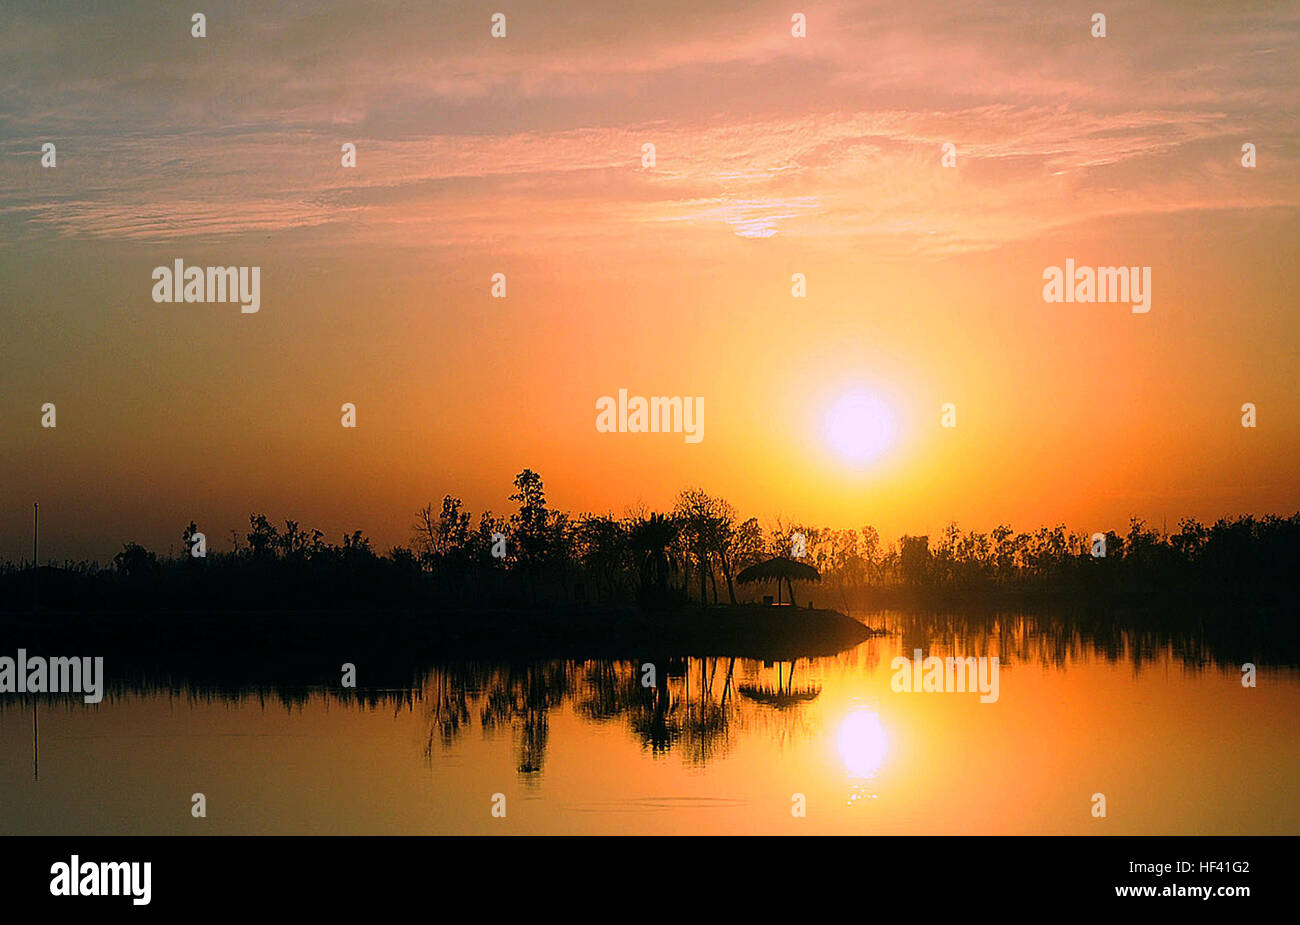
column 522, row 155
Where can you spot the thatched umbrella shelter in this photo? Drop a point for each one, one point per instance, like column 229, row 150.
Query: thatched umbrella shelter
column 784, row 696
column 779, row 569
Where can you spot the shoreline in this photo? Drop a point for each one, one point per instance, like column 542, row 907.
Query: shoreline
column 397, row 636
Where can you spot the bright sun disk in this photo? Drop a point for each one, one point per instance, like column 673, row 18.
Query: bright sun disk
column 859, row 426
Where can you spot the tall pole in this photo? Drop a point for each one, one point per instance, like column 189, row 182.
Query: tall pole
column 36, row 561
column 36, row 578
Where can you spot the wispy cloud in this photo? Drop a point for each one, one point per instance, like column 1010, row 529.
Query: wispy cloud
column 835, row 136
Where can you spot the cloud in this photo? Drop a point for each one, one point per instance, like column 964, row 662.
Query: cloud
column 835, row 137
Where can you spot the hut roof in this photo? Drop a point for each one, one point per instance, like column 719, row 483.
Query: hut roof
column 779, row 568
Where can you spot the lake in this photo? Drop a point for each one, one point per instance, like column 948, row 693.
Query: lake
column 1157, row 720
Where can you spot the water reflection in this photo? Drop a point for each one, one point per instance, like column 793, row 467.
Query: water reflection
column 1152, row 714
column 1198, row 641
column 784, row 695
column 862, row 743
column 698, row 708
column 690, row 708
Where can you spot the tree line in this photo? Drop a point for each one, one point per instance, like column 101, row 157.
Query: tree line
column 690, row 553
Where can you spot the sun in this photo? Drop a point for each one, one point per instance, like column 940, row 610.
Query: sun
column 859, row 426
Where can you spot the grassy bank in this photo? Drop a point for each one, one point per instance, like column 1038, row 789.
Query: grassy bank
column 311, row 646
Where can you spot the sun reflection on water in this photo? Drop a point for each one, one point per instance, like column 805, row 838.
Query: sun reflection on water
column 863, row 743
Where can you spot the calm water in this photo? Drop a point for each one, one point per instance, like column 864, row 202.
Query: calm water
column 1171, row 738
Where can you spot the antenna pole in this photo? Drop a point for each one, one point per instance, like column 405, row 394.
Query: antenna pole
column 36, row 561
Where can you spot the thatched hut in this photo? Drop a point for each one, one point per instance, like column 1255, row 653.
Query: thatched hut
column 778, row 570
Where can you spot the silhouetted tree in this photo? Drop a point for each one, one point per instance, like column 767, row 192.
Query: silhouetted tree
column 263, row 538
column 914, row 559
column 650, row 539
column 136, row 562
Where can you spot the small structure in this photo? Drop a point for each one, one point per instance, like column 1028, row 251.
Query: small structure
column 778, row 570
column 784, row 696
